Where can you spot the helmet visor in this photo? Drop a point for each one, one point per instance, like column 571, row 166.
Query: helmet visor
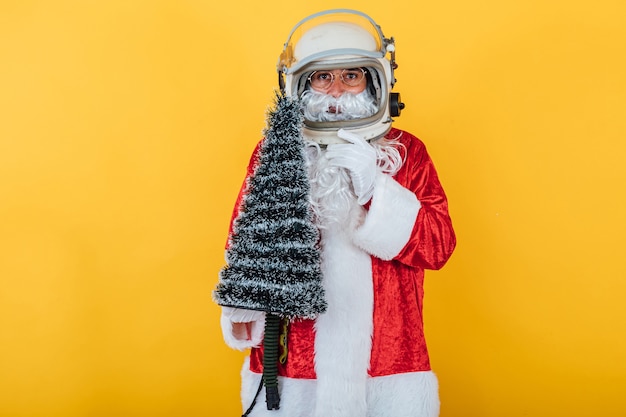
column 328, row 34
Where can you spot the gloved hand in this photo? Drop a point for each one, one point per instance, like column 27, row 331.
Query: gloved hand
column 241, row 315
column 359, row 158
column 242, row 329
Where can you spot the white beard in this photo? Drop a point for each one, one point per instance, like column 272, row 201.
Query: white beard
column 333, row 199
column 320, row 107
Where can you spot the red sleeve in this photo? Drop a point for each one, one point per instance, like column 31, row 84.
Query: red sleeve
column 252, row 164
column 433, row 239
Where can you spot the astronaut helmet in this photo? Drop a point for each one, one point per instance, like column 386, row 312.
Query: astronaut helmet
column 350, row 44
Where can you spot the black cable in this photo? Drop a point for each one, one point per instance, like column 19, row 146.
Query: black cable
column 258, row 391
column 270, row 365
column 270, row 361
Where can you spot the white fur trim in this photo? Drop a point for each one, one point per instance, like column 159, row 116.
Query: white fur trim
column 388, row 225
column 343, row 338
column 297, row 396
column 414, row 394
column 242, row 336
column 404, row 395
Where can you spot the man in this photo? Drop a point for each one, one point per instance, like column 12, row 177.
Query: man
column 383, row 219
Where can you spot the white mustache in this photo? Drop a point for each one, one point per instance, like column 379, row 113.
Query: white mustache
column 320, row 107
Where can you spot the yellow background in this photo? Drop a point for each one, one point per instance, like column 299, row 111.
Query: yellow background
column 125, row 128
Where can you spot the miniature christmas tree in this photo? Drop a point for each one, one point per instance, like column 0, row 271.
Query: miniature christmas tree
column 273, row 260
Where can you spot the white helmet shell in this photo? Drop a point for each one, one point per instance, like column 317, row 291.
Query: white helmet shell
column 334, row 39
column 328, row 40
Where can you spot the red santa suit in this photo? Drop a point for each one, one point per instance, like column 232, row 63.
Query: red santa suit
column 366, row 356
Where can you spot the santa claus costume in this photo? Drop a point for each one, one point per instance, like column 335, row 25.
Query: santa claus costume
column 366, row 356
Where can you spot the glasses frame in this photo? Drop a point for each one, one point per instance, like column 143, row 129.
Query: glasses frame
column 332, row 77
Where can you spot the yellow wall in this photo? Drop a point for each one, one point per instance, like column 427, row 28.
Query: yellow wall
column 125, row 127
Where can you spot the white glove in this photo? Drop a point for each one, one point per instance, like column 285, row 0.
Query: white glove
column 242, row 329
column 359, row 158
column 241, row 315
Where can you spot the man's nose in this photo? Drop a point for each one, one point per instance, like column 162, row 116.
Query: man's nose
column 337, row 88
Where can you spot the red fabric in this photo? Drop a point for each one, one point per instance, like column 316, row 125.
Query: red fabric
column 398, row 343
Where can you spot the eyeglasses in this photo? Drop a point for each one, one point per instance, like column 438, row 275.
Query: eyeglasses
column 322, row 80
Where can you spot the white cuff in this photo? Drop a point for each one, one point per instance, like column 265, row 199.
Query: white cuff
column 389, row 222
column 242, row 336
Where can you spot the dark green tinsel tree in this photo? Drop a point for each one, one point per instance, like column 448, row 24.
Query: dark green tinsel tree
column 273, row 259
